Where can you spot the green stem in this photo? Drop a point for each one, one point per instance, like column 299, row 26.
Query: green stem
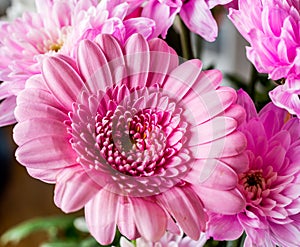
column 185, row 40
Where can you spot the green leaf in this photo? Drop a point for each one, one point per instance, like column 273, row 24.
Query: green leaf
column 49, row 224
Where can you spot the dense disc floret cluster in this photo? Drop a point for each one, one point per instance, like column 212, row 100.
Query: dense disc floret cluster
column 137, row 142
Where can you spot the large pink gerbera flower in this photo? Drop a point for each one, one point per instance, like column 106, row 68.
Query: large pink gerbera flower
column 196, row 14
column 271, row 185
column 134, row 138
column 57, row 27
column 272, row 29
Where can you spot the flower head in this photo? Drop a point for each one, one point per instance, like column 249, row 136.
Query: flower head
column 56, row 27
column 272, row 29
column 271, row 183
column 196, row 14
column 133, row 137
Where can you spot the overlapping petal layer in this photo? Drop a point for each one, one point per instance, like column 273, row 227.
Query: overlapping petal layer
column 133, row 137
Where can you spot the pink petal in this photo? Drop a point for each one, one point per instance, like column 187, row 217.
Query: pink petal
column 62, row 80
column 198, row 18
column 93, row 66
column 287, row 233
column 126, row 223
column 143, row 26
column 40, row 96
column 160, row 51
column 73, row 189
column 231, row 145
column 56, row 152
column 239, row 163
column 38, row 127
column 246, row 102
column 24, row 111
column 211, row 130
column 162, row 14
column 186, row 208
column 203, row 108
column 45, row 175
column 137, row 60
column 207, row 81
column 182, row 78
column 150, row 219
column 7, row 107
column 101, row 216
column 224, row 227
column 223, row 202
column 212, row 174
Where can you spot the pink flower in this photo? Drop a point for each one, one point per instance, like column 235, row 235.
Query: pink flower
column 57, row 27
column 286, row 96
column 133, row 137
column 196, row 15
column 272, row 29
column 168, row 240
column 271, row 185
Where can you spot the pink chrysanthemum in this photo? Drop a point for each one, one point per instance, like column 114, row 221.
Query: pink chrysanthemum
column 272, row 29
column 133, row 137
column 271, row 185
column 196, row 14
column 56, row 27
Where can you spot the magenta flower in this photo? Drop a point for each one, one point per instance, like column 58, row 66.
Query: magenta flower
column 133, row 137
column 196, row 14
column 57, row 27
column 271, row 185
column 272, row 29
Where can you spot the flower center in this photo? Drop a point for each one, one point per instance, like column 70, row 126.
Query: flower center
column 133, row 142
column 253, row 183
column 56, row 47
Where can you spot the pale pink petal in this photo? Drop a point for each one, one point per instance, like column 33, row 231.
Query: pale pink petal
column 126, row 223
column 245, row 101
column 207, row 81
column 199, row 19
column 162, row 14
column 223, row 202
column 101, row 216
column 224, row 227
column 144, row 26
column 209, row 131
column 74, row 188
column 182, row 79
column 93, row 66
column 203, row 108
column 38, row 127
column 160, row 52
column 137, row 60
column 7, row 111
column 58, row 155
column 62, row 80
column 212, row 173
column 45, row 175
column 231, row 145
column 185, row 207
column 150, row 219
